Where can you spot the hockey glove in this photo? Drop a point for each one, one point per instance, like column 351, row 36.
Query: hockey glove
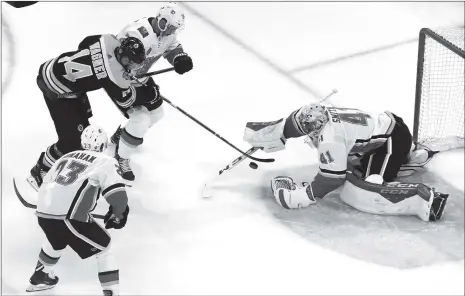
column 111, row 221
column 182, row 63
column 289, row 195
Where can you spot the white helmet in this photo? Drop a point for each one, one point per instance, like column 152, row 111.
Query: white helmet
column 311, row 119
column 94, row 138
column 170, row 18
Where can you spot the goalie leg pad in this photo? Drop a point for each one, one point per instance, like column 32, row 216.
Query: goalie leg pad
column 393, row 198
column 290, row 195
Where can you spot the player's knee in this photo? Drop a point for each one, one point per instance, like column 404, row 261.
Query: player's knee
column 139, row 122
column 156, row 115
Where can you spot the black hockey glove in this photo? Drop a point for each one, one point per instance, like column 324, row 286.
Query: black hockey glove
column 113, row 222
column 182, row 63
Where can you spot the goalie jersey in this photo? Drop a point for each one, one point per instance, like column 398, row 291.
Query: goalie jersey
column 348, row 132
column 155, row 46
column 74, row 183
column 91, row 67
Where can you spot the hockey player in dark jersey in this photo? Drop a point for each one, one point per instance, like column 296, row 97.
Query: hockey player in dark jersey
column 101, row 61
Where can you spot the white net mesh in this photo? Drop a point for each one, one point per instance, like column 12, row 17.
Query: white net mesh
column 441, row 110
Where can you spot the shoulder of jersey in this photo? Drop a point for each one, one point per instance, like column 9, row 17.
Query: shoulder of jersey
column 329, row 133
column 114, row 68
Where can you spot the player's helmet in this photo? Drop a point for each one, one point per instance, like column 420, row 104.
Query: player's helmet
column 312, row 118
column 94, row 138
column 132, row 48
column 170, row 18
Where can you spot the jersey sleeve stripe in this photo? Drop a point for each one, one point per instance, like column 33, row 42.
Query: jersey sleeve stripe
column 129, row 101
column 57, row 82
column 331, row 172
column 323, row 184
column 296, row 122
column 48, row 75
column 114, row 186
column 45, row 78
column 83, row 187
column 83, row 203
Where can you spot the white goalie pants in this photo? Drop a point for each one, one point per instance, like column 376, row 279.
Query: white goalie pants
column 140, row 121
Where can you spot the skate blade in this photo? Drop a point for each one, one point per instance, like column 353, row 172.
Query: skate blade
column 25, row 193
column 33, row 183
column 39, row 287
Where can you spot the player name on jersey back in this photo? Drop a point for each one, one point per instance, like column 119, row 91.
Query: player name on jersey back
column 81, row 156
column 97, row 61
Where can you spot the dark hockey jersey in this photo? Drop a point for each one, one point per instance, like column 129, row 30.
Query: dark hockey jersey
column 91, row 67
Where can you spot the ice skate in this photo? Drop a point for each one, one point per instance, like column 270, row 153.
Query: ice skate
column 38, row 173
column 41, row 280
column 438, row 205
column 116, row 136
column 126, row 171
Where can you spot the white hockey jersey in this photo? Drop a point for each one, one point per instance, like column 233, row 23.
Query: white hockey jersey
column 71, row 188
column 348, row 132
column 155, row 46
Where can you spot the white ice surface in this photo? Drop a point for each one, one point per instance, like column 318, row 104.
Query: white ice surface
column 176, row 242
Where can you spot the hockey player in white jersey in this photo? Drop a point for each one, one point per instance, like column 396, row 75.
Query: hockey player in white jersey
column 159, row 36
column 362, row 151
column 67, row 197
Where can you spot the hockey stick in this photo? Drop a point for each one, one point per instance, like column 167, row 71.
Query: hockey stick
column 205, row 191
column 215, row 134
column 207, row 128
column 155, row 72
column 32, row 206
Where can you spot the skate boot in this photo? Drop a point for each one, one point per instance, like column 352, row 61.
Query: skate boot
column 437, row 207
column 41, row 280
column 126, row 171
column 115, row 137
column 38, row 173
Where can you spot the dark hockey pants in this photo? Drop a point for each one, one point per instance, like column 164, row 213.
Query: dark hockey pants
column 86, row 239
column 391, row 155
column 70, row 117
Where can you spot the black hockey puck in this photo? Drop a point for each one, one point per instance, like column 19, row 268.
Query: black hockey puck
column 253, row 165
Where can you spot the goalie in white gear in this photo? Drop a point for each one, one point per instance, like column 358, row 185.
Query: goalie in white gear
column 67, row 197
column 159, row 36
column 362, row 151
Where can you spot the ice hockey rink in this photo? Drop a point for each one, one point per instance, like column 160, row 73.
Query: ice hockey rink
column 252, row 62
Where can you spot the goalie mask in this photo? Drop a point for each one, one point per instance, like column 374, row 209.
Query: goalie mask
column 311, row 119
column 170, row 19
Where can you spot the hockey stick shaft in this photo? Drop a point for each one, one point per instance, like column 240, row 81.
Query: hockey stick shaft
column 32, row 206
column 215, row 134
column 209, row 129
column 238, row 160
column 155, row 72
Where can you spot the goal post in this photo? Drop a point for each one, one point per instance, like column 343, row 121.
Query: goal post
column 439, row 96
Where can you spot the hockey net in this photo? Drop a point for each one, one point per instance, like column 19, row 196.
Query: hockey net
column 439, row 102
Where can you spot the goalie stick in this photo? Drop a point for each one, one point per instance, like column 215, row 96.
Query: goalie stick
column 32, row 206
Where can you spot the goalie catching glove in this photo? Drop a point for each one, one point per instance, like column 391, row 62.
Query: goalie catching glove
column 266, row 135
column 290, row 195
